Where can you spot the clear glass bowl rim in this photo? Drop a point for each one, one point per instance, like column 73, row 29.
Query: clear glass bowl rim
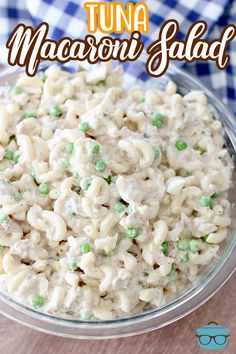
column 155, row 318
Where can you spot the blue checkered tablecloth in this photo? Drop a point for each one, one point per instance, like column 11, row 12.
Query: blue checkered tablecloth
column 69, row 18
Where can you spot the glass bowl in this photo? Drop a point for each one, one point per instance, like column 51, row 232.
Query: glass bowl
column 207, row 284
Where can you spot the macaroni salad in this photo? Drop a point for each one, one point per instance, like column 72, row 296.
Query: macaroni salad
column 112, row 201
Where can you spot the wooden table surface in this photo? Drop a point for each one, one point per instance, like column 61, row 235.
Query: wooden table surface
column 178, row 338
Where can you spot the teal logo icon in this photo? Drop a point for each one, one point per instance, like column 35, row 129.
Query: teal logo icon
column 213, row 336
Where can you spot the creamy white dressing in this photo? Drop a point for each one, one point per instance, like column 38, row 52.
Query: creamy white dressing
column 73, row 249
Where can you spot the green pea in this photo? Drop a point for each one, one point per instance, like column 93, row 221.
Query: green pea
column 56, row 111
column 95, row 148
column 183, row 245
column 181, row 145
column 2, row 248
column 9, row 154
column 165, row 248
column 70, row 148
column 85, row 248
column 185, row 258
column 30, row 114
column 132, row 232
column 172, row 271
column 157, row 120
column 205, row 201
column 37, row 301
column 84, row 127
column 119, row 207
column 3, row 219
column 194, row 246
column 75, row 174
column 17, row 90
column 44, row 188
column 100, row 165
column 65, row 163
column 17, row 196
column 73, row 265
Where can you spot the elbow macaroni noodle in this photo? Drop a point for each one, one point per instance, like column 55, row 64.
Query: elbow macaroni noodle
column 111, row 201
